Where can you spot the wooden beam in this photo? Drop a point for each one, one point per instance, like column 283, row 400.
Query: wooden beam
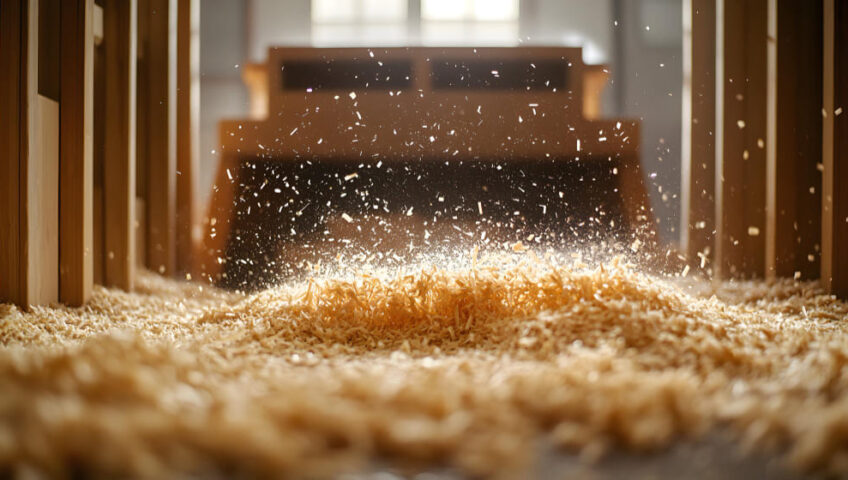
column 794, row 147
column 188, row 120
column 40, row 158
column 11, row 46
column 698, row 123
column 834, row 259
column 741, row 27
column 161, row 152
column 120, row 43
column 75, row 152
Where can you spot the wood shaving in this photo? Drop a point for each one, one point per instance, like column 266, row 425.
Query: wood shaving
column 463, row 368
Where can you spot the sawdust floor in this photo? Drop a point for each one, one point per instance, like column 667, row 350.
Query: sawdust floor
column 464, row 371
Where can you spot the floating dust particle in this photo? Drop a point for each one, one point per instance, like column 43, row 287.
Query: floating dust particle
column 465, row 368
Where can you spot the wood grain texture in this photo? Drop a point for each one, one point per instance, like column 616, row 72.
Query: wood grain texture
column 794, row 233
column 188, row 119
column 160, row 117
column 11, row 20
column 75, row 152
column 699, row 180
column 120, row 44
column 741, row 134
column 834, row 259
column 41, row 235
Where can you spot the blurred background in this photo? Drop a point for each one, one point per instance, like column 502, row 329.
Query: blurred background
column 640, row 41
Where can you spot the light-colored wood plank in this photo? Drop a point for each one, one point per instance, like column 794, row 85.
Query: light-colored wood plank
column 42, row 215
column 188, row 119
column 699, row 116
column 741, row 27
column 11, row 15
column 793, row 233
column 834, row 259
column 120, row 32
column 40, row 157
column 161, row 154
column 75, row 152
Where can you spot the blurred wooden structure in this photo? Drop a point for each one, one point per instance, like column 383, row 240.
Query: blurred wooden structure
column 345, row 106
column 69, row 163
column 767, row 164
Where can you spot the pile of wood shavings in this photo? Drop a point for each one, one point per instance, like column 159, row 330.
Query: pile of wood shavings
column 464, row 368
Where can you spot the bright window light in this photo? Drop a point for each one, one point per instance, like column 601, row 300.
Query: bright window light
column 470, row 10
column 334, row 10
column 496, row 10
column 358, row 11
column 384, row 10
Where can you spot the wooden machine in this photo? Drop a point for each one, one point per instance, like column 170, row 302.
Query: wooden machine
column 344, row 144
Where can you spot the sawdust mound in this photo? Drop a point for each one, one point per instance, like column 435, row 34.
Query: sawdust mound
column 467, row 368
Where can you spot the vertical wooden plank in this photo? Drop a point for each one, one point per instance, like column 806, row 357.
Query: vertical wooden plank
column 188, row 118
column 120, row 32
column 740, row 137
column 120, row 43
column 793, row 235
column 11, row 20
column 699, row 150
column 834, row 259
column 161, row 161
column 75, row 152
column 141, row 146
column 40, row 160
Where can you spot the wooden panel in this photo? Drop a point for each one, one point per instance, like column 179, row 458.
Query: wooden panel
column 793, row 235
column 42, row 206
column 39, row 175
column 741, row 134
column 120, row 44
column 699, row 155
column 188, row 113
column 11, row 14
column 835, row 148
column 75, row 152
column 160, row 117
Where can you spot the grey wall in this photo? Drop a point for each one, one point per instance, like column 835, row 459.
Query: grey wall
column 222, row 94
column 648, row 71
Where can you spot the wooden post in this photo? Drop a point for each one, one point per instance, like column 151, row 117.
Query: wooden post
column 741, row 27
column 120, row 44
column 188, row 120
column 11, row 22
column 793, row 228
column 699, row 119
column 75, row 151
column 834, row 259
column 161, row 152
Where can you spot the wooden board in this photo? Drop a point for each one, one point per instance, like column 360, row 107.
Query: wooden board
column 160, row 117
column 741, row 27
column 699, row 141
column 793, row 236
column 188, row 113
column 11, row 15
column 42, row 210
column 834, row 259
column 75, row 152
column 120, row 44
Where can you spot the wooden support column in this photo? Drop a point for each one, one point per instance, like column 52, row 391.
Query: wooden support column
column 793, row 146
column 698, row 125
column 188, row 120
column 834, row 259
column 11, row 46
column 740, row 137
column 75, row 151
column 120, row 44
column 160, row 56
